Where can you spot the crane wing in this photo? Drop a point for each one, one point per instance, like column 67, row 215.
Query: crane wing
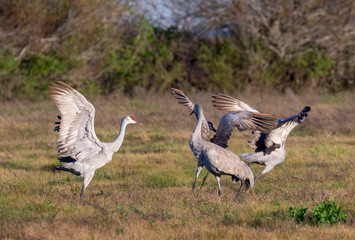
column 242, row 120
column 277, row 137
column 284, row 127
column 225, row 102
column 77, row 138
column 182, row 99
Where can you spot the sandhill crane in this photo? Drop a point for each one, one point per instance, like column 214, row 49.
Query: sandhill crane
column 241, row 119
column 216, row 159
column 269, row 148
column 205, row 127
column 78, row 146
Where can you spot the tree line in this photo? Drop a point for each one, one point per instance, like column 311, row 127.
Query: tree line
column 109, row 46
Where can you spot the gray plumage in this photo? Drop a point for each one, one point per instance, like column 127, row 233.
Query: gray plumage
column 216, row 159
column 185, row 101
column 78, row 146
column 270, row 148
column 243, row 117
column 205, row 126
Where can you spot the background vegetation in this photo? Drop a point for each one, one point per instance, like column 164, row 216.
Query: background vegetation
column 145, row 191
column 302, row 50
column 108, row 46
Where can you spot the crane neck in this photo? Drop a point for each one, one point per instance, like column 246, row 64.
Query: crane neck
column 196, row 134
column 119, row 139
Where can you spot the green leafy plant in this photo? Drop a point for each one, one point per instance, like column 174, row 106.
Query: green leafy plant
column 145, row 60
column 219, row 62
column 324, row 213
column 298, row 213
column 328, row 212
column 9, row 69
column 38, row 70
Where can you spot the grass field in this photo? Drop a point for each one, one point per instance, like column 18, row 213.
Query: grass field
column 145, row 191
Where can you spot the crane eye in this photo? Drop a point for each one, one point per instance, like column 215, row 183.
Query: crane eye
column 132, row 118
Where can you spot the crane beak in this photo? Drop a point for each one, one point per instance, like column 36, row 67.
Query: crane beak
column 192, row 112
column 211, row 127
column 140, row 123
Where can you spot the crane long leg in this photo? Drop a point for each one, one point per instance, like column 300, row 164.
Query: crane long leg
column 240, row 189
column 198, row 170
column 87, row 179
column 204, row 179
column 266, row 170
column 218, row 178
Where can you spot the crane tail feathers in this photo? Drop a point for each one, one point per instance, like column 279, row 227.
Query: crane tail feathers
column 66, row 159
column 73, row 166
column 63, row 168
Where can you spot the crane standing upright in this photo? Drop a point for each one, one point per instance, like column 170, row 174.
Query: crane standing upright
column 78, row 146
column 216, row 159
column 245, row 118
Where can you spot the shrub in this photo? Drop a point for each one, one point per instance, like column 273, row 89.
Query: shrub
column 224, row 45
column 9, row 68
column 327, row 212
column 324, row 213
column 298, row 213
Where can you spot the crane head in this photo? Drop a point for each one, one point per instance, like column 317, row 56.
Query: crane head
column 197, row 109
column 131, row 120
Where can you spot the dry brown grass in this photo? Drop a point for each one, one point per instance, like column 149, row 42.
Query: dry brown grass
column 145, row 192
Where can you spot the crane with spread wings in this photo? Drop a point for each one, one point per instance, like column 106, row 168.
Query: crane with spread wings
column 78, row 146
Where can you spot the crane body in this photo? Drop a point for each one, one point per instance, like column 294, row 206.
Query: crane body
column 216, row 159
column 242, row 118
column 78, row 146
